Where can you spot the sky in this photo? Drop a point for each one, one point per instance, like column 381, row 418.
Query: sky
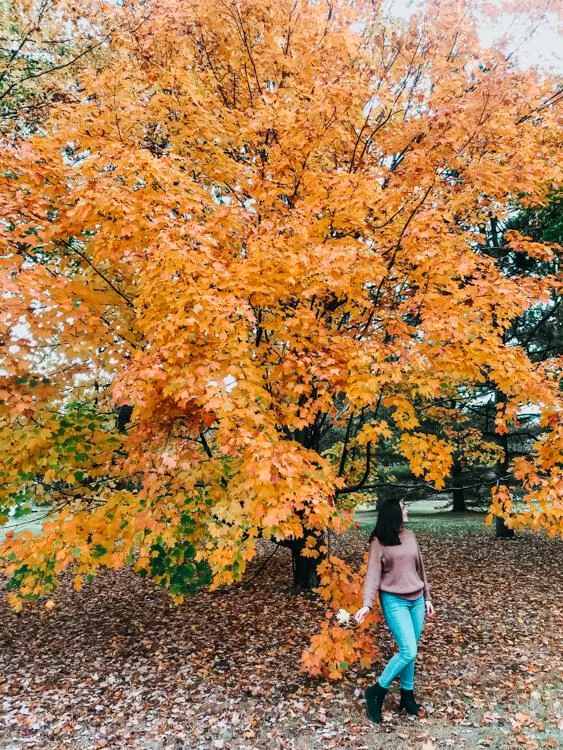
column 544, row 48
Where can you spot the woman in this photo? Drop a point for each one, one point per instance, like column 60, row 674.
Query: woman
column 396, row 571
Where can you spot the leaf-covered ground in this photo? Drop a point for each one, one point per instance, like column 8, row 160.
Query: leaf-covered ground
column 117, row 665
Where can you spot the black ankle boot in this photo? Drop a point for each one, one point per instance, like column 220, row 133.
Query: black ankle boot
column 408, row 703
column 375, row 695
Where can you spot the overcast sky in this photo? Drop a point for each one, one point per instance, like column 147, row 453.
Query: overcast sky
column 543, row 48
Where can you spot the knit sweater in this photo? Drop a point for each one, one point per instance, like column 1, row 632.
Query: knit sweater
column 397, row 569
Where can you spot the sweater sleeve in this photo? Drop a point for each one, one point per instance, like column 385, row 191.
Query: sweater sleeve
column 423, row 575
column 373, row 575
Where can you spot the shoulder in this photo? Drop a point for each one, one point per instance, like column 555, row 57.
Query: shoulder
column 375, row 544
column 407, row 535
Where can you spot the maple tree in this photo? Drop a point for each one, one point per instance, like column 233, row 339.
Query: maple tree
column 251, row 227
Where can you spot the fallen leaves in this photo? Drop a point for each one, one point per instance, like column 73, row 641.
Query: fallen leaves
column 118, row 665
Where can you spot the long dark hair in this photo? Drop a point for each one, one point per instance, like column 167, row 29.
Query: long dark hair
column 389, row 522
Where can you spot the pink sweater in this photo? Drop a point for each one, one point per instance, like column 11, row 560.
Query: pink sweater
column 397, row 569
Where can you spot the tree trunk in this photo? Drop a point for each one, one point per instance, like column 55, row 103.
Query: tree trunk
column 124, row 413
column 458, row 491
column 305, row 573
column 501, row 529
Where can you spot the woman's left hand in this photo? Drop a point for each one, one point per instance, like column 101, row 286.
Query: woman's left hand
column 429, row 607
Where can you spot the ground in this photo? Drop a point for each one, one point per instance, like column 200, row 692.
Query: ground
column 118, row 665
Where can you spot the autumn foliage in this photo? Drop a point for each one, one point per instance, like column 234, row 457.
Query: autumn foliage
column 242, row 231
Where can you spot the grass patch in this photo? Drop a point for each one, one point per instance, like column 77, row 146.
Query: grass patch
column 438, row 524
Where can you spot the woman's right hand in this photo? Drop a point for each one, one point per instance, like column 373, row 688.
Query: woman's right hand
column 361, row 613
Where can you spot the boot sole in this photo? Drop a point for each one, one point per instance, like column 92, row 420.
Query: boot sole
column 420, row 713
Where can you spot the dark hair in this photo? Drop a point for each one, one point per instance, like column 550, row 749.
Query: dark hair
column 389, row 522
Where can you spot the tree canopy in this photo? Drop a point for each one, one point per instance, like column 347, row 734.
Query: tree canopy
column 247, row 227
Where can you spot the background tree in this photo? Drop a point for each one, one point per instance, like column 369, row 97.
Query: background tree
column 516, row 244
column 469, row 416
column 257, row 225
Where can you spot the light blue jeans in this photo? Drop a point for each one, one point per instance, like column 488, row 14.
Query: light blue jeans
column 405, row 619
